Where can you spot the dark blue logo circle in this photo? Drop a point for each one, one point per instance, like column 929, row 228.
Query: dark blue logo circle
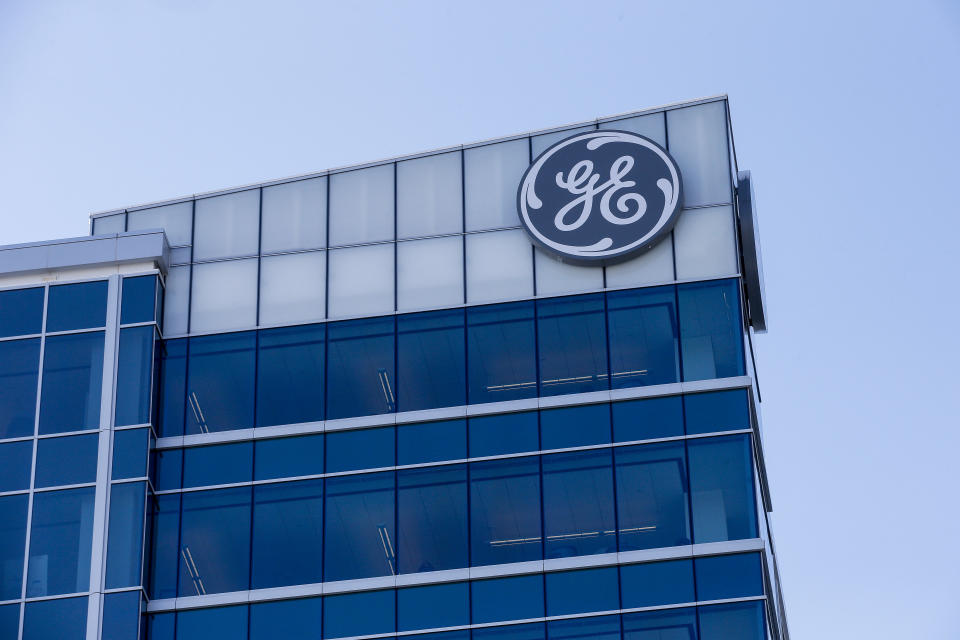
column 600, row 196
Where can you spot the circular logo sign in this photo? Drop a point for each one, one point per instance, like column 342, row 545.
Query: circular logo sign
column 600, row 196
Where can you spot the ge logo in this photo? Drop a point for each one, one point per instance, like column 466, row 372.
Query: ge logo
column 600, row 197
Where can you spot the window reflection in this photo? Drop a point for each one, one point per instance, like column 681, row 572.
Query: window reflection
column 571, row 334
column 502, row 359
column 578, row 510
column 72, row 375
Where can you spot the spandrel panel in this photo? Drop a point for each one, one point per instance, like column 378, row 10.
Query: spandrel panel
column 224, row 295
column 653, row 584
column 215, row 541
column 739, row 575
column 433, row 607
column 698, row 142
column 513, row 598
column 429, row 273
column 13, row 536
column 499, row 266
column 717, row 411
column 72, row 376
column 534, row 631
column 431, row 441
column 288, row 457
column 652, row 496
column 706, row 245
column 541, row 143
column 504, row 433
column 109, row 224
column 217, row 623
column 61, row 535
column 555, row 277
column 492, row 173
column 647, row 418
column 353, row 449
column 501, row 352
column 361, row 206
column 176, row 301
column 652, row 267
column 289, row 619
column 77, row 306
column 294, row 216
column 741, row 620
column 175, row 219
column 19, row 371
column 21, row 312
column 651, row 126
column 429, row 198
column 125, row 534
column 293, row 288
column 287, row 534
column 361, row 281
column 595, row 628
column 227, row 225
column 218, row 464
column 570, row 592
column 358, row 614
column 675, row 624
column 577, row 426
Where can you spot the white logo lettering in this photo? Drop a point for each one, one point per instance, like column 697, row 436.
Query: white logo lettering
column 583, row 172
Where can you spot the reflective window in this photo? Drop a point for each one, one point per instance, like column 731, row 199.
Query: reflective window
column 77, row 306
column 293, row 288
column 429, row 273
column 536, row 631
column 673, row 624
column 652, row 496
column 220, row 394
column 227, row 225
column 10, row 620
column 359, row 530
column 705, row 243
column 499, row 266
column 218, row 464
column 72, row 373
column 647, row 419
column 433, row 607
column 60, row 542
column 13, row 536
column 432, row 514
column 505, row 433
column 125, row 534
column 502, row 352
column 575, row 426
column 734, row 576
column 166, row 470
column 287, row 534
column 173, row 386
column 21, row 312
column 70, row 460
column 218, row 623
column 224, row 295
column 555, row 277
column 291, row 619
column 63, row 619
column 721, row 489
column 357, row 614
column 515, row 598
column 16, row 459
column 130, row 448
column 361, row 281
column 578, row 510
column 582, row 591
column 430, row 360
column 215, row 542
column 360, row 370
column 134, row 376
column 598, row 628
column 431, row 441
column 505, row 511
column 463, row 634
column 138, row 299
column 175, row 219
column 294, row 216
column 717, row 411
column 571, row 334
column 643, row 337
column 176, row 300
column 121, row 616
column 360, row 449
column 656, row 583
column 491, row 175
column 429, row 197
column 164, row 547
column 698, row 142
column 288, row 457
column 710, row 330
column 361, row 205
column 290, row 375
column 19, row 367
column 742, row 620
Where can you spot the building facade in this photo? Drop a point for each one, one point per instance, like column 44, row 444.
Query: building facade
column 371, row 403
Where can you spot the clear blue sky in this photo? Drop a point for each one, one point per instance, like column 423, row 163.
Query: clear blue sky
column 845, row 111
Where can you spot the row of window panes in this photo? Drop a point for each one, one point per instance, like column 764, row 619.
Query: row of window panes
column 451, row 357
column 70, row 307
column 452, row 516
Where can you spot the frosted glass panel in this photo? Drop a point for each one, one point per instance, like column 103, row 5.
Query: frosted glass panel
column 698, row 142
column 295, row 216
column 653, row 267
column 429, row 196
column 554, row 276
column 651, row 126
column 499, row 266
column 108, row 224
column 540, row 143
column 705, row 243
column 227, row 225
column 361, row 281
column 492, row 176
column 361, row 206
column 429, row 273
column 292, row 287
column 175, row 219
column 176, row 301
column 224, row 295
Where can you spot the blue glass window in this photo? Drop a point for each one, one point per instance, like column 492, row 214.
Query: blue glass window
column 735, row 576
column 218, row 623
column 431, row 441
column 572, row 340
column 130, row 447
column 166, row 471
column 358, row 614
column 656, row 583
column 463, row 634
column 505, row 511
column 505, row 433
column 77, row 306
column 578, row 509
column 575, row 426
column 360, row 368
column 598, row 628
column 215, row 542
column 13, row 537
column 125, row 534
column 160, row 626
column 502, row 352
column 432, row 517
column 138, row 299
column 430, row 360
column 121, row 616
column 361, row 449
column 15, row 462
column 220, row 394
column 643, row 337
column 10, row 621
column 647, row 419
column 72, row 372
column 582, row 591
column 536, row 631
column 63, row 619
column 286, row 619
column 287, row 533
column 515, row 598
column 433, row 607
column 19, row 368
column 69, row 460
column 134, row 375
column 288, row 457
column 675, row 624
column 164, row 545
column 711, row 330
column 721, row 489
column 21, row 312
column 290, row 375
column 652, row 496
column 218, row 464
column 742, row 620
column 717, row 411
column 360, row 529
column 61, row 535
column 173, row 387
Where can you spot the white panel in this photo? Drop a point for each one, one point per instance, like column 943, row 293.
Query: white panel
column 361, row 281
column 108, row 224
column 555, row 277
column 361, row 206
column 292, row 287
column 175, row 219
column 429, row 196
column 541, row 142
column 651, row 126
column 492, row 177
column 227, row 225
column 698, row 142
column 429, row 273
column 705, row 242
column 224, row 295
column 653, row 267
column 499, row 266
column 176, row 301
column 295, row 216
